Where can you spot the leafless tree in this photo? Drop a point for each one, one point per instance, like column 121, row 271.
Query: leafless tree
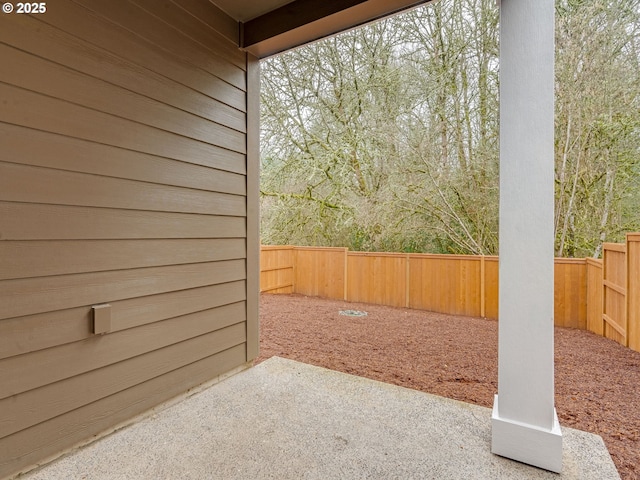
column 386, row 137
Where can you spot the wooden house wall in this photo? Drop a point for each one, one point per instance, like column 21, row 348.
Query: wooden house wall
column 123, row 180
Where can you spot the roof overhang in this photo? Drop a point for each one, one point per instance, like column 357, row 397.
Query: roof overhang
column 302, row 21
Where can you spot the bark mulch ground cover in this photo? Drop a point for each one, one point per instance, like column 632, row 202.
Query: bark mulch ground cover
column 597, row 380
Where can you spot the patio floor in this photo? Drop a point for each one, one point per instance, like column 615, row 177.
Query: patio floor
column 288, row 420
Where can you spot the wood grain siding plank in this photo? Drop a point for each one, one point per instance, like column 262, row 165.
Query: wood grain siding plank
column 212, row 17
column 25, row 372
column 148, row 27
column 28, row 408
column 30, row 333
column 140, row 311
column 48, row 438
column 19, row 183
column 34, row 147
column 33, row 110
column 80, row 89
column 31, row 259
column 66, row 82
column 26, row 334
column 32, row 221
column 80, row 22
column 42, row 40
column 46, row 294
column 198, row 31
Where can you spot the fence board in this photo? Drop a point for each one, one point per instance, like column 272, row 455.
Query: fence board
column 377, row 278
column 570, row 293
column 320, row 271
column 445, row 283
column 491, row 272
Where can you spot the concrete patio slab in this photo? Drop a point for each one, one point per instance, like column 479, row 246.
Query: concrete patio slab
column 287, row 420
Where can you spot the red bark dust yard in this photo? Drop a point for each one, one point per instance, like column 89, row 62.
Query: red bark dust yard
column 597, row 380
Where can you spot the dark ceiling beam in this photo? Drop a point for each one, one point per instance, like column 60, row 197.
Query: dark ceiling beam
column 303, row 21
column 290, row 16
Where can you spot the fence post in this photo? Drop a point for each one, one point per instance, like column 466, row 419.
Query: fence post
column 603, row 296
column 482, row 288
column 633, row 291
column 346, row 273
column 407, row 279
column 293, row 269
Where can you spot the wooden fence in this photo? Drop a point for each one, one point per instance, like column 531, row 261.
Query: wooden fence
column 619, row 317
column 614, row 280
column 276, row 269
column 602, row 296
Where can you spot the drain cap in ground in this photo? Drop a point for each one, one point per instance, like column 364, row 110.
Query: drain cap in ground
column 353, row 313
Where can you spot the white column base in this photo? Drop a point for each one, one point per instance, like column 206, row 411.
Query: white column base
column 525, row 443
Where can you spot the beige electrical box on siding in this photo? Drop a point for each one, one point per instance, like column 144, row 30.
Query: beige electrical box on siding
column 101, row 318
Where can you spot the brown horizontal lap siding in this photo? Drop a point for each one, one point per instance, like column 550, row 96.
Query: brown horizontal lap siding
column 81, row 89
column 97, row 31
column 77, row 189
column 31, row 147
column 153, row 79
column 37, row 221
column 33, row 110
column 29, row 259
column 67, row 394
column 147, row 26
column 74, row 324
column 26, row 296
column 45, row 439
column 122, row 181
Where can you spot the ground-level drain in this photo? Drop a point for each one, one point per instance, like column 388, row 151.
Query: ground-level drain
column 353, row 313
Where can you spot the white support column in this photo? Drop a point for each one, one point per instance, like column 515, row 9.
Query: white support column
column 524, row 422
